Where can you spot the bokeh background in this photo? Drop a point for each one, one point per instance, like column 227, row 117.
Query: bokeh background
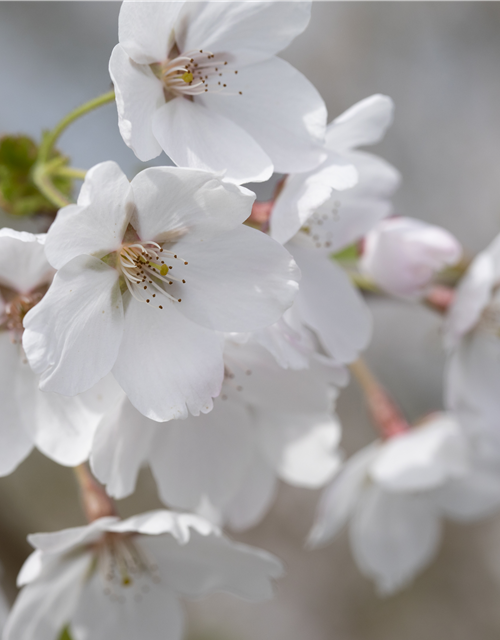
column 440, row 63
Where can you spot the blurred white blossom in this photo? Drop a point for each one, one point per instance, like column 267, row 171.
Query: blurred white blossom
column 394, row 494
column 267, row 424
column 314, row 220
column 123, row 579
column 62, row 428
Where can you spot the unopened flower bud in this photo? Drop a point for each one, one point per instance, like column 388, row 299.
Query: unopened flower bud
column 402, row 255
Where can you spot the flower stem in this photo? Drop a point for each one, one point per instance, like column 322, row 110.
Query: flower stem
column 96, row 502
column 42, row 180
column 385, row 414
column 51, row 138
column 363, row 283
column 72, row 172
column 42, row 171
column 439, row 298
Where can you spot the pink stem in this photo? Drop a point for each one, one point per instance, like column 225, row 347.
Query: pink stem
column 385, row 414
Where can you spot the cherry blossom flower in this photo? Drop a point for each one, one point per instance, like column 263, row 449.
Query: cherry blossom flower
column 312, row 200
column 149, row 272
column 402, row 255
column 315, row 220
column 200, row 80
column 394, row 494
column 122, row 578
column 62, row 428
column 267, row 424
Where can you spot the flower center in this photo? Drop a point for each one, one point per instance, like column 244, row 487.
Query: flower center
column 146, row 272
column 193, row 73
column 318, row 226
column 123, row 564
column 15, row 311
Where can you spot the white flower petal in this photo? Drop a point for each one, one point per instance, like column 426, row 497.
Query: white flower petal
column 280, row 109
column 16, row 440
column 203, row 457
column 471, row 297
column 72, row 336
column 155, row 523
column 23, row 265
column 472, row 383
column 250, row 31
column 474, row 496
column 241, row 280
column 424, row 458
column 156, row 616
column 139, row 93
column 166, row 363
column 214, row 143
column 146, row 29
column 31, row 569
column 97, row 223
column 340, row 498
column 120, row 447
column 60, row 542
column 393, row 537
column 330, row 305
column 270, row 388
column 254, row 497
column 43, row 607
column 362, row 124
column 303, row 194
column 302, row 448
column 290, row 342
column 199, row 204
column 211, row 562
column 62, row 428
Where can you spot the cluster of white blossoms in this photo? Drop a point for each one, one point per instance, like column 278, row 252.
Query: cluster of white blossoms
column 170, row 321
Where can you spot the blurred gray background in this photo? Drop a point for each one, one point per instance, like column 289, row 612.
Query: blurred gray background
column 440, row 63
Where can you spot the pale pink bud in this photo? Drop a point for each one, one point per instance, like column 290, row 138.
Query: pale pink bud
column 402, row 255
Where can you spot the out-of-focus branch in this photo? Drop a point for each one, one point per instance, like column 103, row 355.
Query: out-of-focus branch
column 95, row 500
column 385, row 414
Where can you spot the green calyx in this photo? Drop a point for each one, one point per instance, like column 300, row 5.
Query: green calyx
column 19, row 194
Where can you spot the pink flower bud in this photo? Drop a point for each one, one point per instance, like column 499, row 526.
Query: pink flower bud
column 401, row 255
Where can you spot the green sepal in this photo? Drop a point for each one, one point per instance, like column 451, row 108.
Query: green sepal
column 19, row 195
column 349, row 254
column 65, row 635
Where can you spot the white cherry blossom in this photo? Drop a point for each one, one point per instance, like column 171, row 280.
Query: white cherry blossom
column 201, row 81
column 267, row 424
column 366, row 182
column 122, row 578
column 315, row 219
column 393, row 495
column 62, row 428
column 402, row 255
column 148, row 273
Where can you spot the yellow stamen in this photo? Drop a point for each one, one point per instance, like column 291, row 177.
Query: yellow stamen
column 187, row 77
